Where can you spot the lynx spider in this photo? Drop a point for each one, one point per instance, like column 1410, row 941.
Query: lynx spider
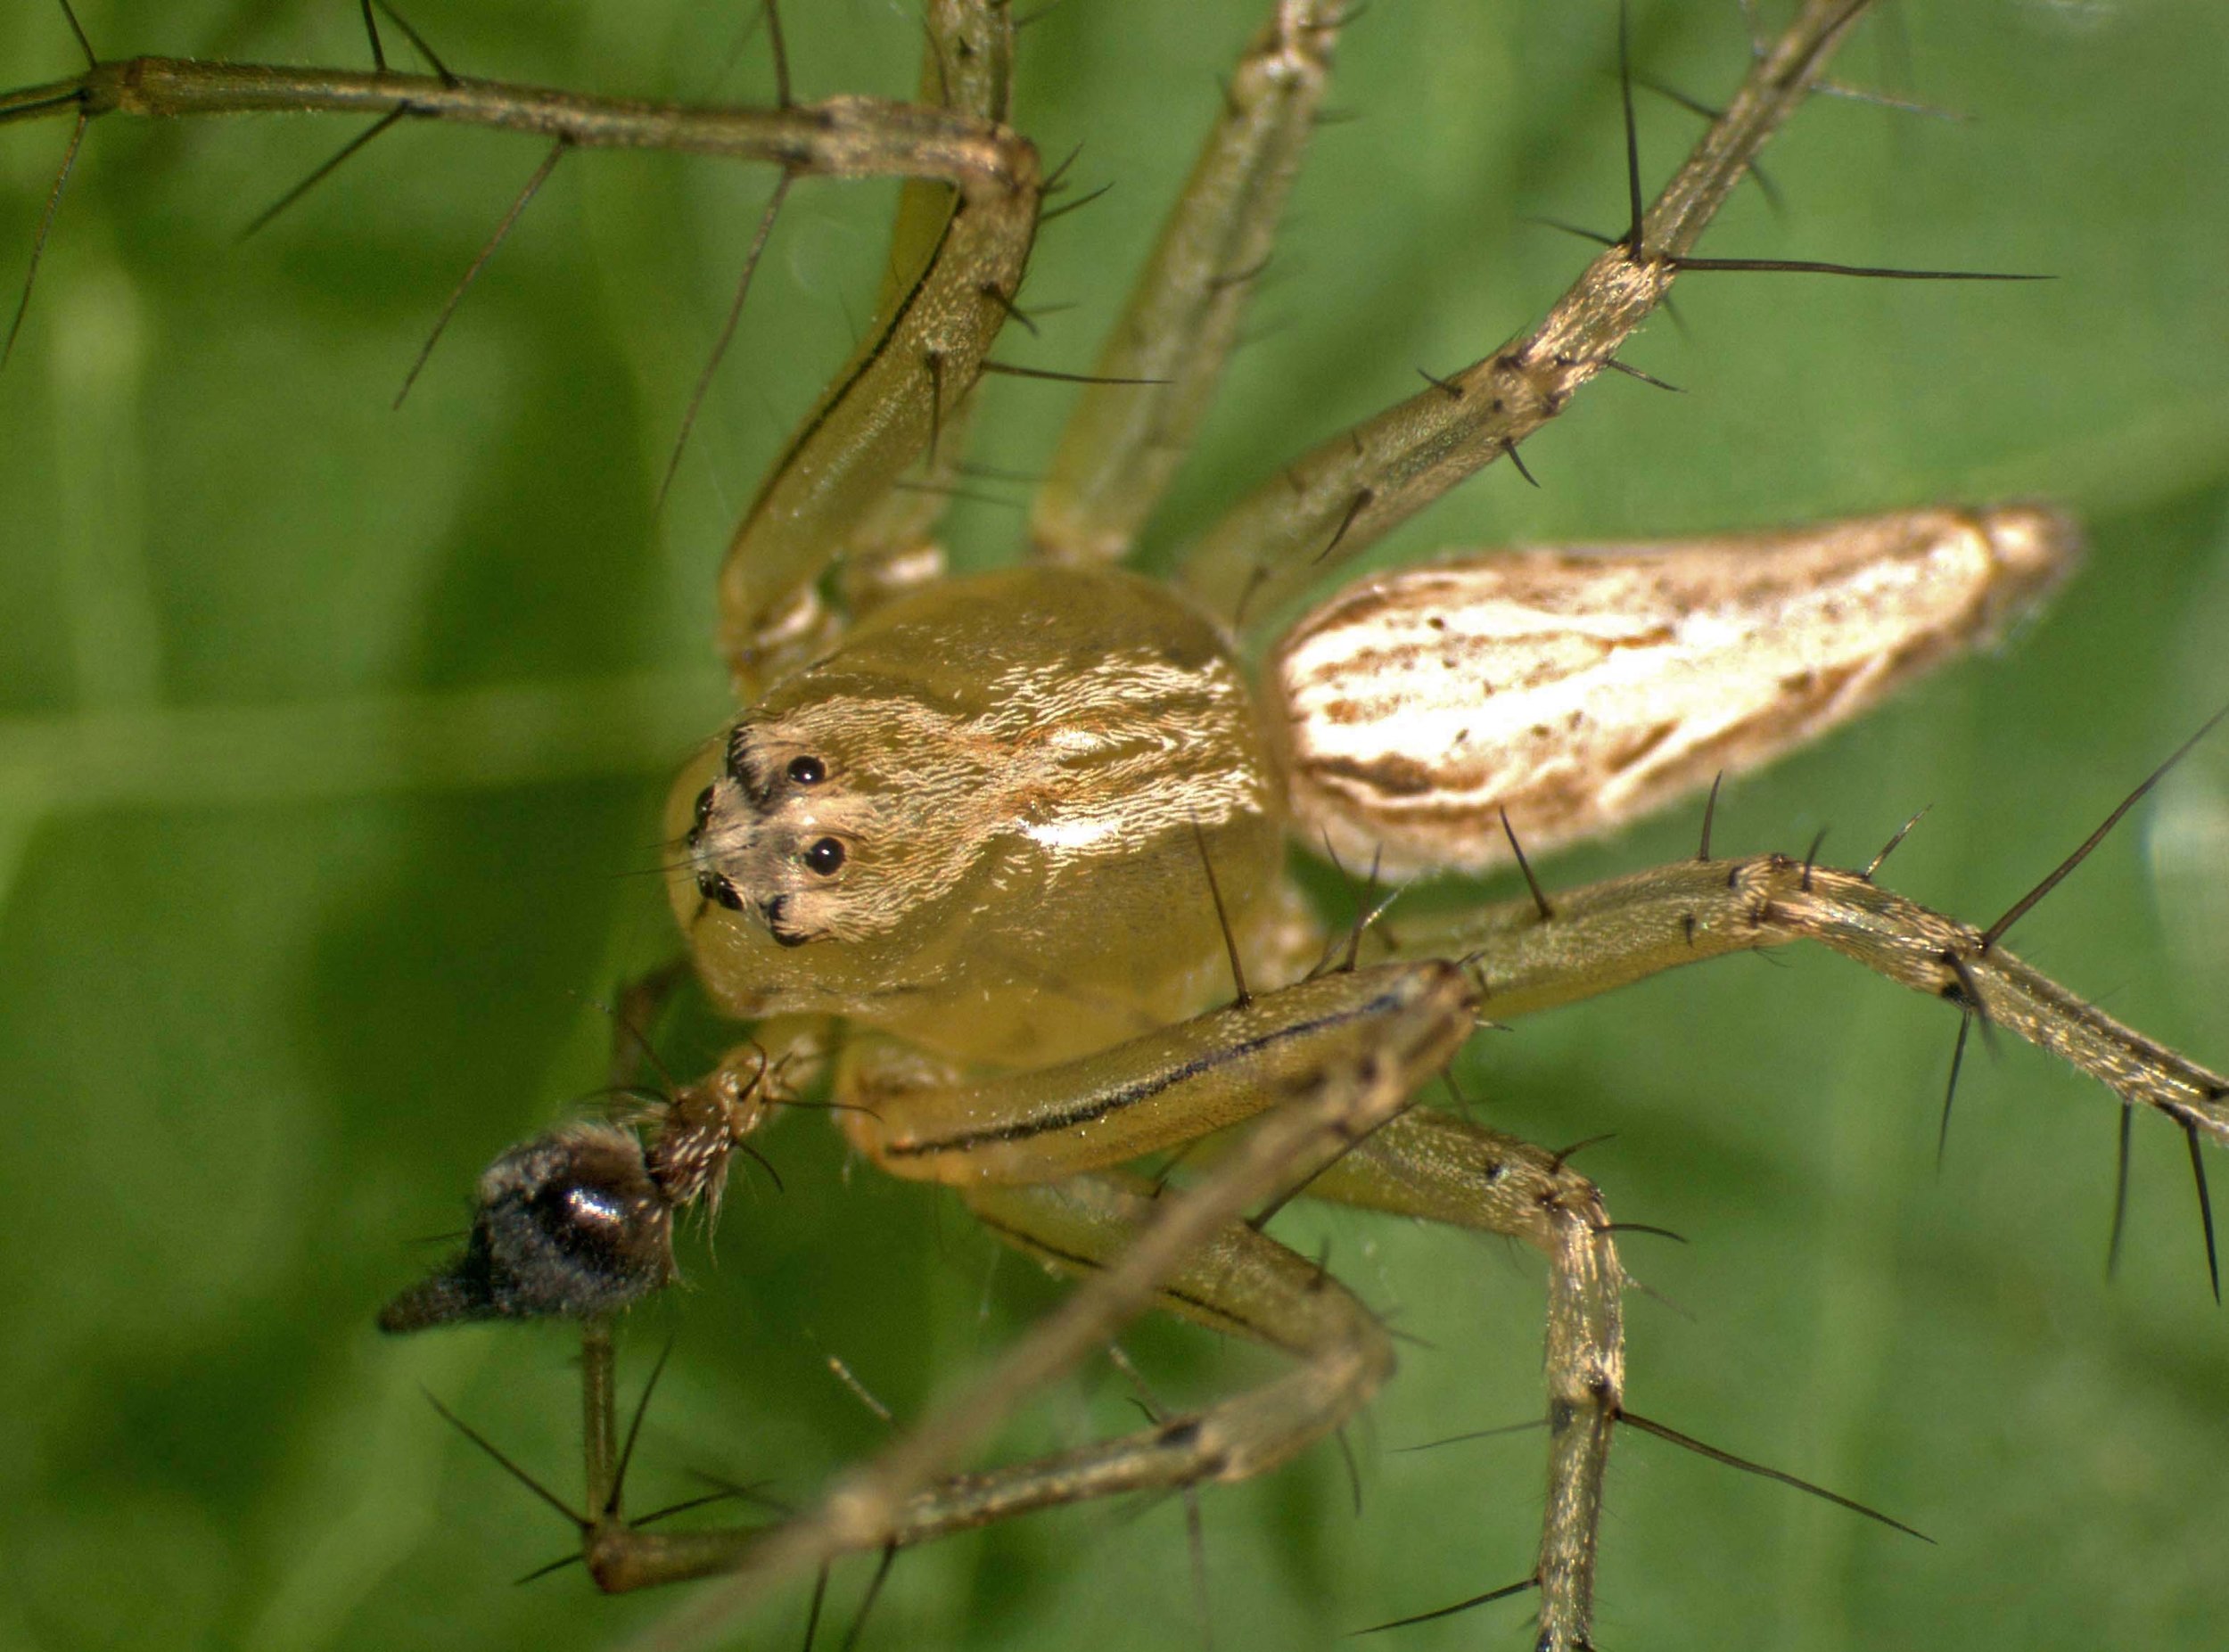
column 1621, row 1212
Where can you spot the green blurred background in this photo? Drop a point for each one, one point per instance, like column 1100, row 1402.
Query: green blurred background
column 332, row 736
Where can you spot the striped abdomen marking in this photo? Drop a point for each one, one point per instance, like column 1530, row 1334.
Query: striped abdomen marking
column 1580, row 689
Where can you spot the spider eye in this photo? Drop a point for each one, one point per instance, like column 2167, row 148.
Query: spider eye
column 808, row 771
column 824, row 856
column 719, row 891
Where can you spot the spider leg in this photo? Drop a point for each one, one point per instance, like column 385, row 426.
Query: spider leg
column 967, row 65
column 921, row 353
column 1606, row 935
column 1239, row 1283
column 1131, row 430
column 1147, row 1094
column 1337, row 500
column 959, row 245
column 1432, row 1165
column 1365, row 1073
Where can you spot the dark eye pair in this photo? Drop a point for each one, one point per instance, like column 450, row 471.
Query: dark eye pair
column 826, row 854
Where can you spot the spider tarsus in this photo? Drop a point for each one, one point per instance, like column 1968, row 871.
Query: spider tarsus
column 503, row 229
column 1540, row 899
column 2020, row 908
column 1728, row 1459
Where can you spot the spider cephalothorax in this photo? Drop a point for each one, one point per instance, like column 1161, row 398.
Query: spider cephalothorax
column 941, row 827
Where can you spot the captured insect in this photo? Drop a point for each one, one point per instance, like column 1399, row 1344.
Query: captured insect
column 809, row 872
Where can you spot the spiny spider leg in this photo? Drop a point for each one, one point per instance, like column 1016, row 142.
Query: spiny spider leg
column 1615, row 932
column 932, row 334
column 1337, row 500
column 1365, row 1077
column 1122, row 446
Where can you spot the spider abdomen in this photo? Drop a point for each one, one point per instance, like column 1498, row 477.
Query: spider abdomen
column 1580, row 689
